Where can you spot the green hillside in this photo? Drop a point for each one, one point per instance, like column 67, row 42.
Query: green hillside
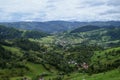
column 60, row 56
column 11, row 33
column 105, row 37
column 105, row 60
column 110, row 75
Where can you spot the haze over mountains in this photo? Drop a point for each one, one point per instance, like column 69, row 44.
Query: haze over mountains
column 58, row 26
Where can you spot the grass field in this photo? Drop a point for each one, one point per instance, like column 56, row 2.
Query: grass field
column 110, row 75
column 37, row 69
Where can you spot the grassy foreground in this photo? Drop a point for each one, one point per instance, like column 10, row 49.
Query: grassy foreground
column 110, row 75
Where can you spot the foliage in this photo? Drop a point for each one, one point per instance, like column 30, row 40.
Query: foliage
column 11, row 33
column 85, row 29
column 22, row 53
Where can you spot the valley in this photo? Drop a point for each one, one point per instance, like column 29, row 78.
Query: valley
column 85, row 52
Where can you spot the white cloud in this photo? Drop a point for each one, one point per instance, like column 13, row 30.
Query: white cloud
column 44, row 10
column 23, row 6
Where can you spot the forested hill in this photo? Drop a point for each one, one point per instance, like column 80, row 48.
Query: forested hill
column 56, row 26
column 28, row 54
column 11, row 33
column 85, row 28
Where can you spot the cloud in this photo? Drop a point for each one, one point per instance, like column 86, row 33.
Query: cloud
column 46, row 10
column 113, row 2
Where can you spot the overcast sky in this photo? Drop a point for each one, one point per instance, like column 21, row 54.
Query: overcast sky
column 68, row 10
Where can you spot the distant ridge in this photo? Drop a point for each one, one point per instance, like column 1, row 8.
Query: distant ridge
column 57, row 26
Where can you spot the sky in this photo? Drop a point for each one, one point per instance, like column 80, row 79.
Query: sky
column 67, row 10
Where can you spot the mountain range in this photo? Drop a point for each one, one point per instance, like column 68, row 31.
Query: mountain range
column 57, row 26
